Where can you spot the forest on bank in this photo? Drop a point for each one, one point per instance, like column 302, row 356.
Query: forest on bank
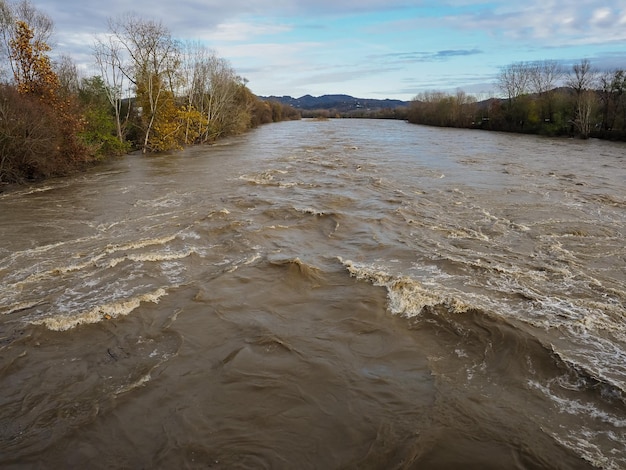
column 540, row 98
column 153, row 93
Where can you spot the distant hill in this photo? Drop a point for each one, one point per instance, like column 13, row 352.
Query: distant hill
column 338, row 103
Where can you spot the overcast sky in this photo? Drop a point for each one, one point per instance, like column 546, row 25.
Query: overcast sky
column 366, row 48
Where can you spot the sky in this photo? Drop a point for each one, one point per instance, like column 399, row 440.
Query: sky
column 365, row 48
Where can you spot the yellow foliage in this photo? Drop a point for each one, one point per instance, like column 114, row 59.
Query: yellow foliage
column 175, row 127
column 166, row 126
column 193, row 124
column 32, row 68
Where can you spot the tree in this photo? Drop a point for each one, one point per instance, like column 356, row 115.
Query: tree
column 464, row 108
column 219, row 99
column 544, row 77
column 215, row 91
column 100, row 132
column 195, row 58
column 154, row 59
column 32, row 70
column 442, row 109
column 514, row 80
column 582, row 76
column 109, row 57
column 68, row 76
column 582, row 79
column 29, row 138
column 585, row 107
column 612, row 87
column 40, row 24
column 34, row 77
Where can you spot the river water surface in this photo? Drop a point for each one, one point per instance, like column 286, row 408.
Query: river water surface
column 320, row 295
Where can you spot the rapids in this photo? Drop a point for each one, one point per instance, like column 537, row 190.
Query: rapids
column 317, row 295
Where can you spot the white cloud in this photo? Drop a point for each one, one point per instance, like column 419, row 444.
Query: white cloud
column 283, row 54
column 241, row 31
column 550, row 23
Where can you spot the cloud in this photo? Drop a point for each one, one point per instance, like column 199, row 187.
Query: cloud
column 446, row 54
column 413, row 57
column 533, row 22
column 241, row 31
column 563, row 23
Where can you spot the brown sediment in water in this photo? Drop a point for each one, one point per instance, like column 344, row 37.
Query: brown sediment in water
column 319, row 300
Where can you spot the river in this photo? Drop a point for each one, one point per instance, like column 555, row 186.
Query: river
column 320, row 295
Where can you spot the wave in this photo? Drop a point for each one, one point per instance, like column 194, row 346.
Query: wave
column 299, row 268
column 268, row 178
column 508, row 358
column 63, row 322
column 599, row 362
column 312, row 211
column 494, row 355
column 407, row 297
column 152, row 257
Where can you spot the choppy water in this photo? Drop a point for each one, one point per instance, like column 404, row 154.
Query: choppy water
column 338, row 294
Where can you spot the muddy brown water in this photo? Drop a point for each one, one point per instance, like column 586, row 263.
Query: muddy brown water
column 320, row 295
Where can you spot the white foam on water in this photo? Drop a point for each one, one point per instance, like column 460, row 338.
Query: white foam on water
column 577, row 407
column 234, row 265
column 264, row 178
column 27, row 191
column 406, row 296
column 254, row 258
column 19, row 306
column 310, row 210
column 39, row 250
column 134, row 245
column 583, row 441
column 602, row 358
column 144, row 379
column 151, row 257
column 63, row 322
column 37, row 275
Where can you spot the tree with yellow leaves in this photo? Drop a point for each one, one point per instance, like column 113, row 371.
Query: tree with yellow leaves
column 39, row 86
column 32, row 69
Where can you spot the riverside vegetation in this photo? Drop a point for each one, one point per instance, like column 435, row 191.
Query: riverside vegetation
column 153, row 94
column 540, row 98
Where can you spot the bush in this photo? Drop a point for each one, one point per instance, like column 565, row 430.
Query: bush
column 36, row 140
column 29, row 138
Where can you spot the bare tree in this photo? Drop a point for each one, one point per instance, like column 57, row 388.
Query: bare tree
column 213, row 89
column 6, row 24
column 582, row 79
column 612, row 85
column 109, row 57
column 41, row 24
column 69, row 77
column 195, row 73
column 222, row 90
column 514, row 80
column 154, row 59
column 585, row 106
column 544, row 77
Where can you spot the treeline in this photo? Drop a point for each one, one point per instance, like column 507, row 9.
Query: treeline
column 153, row 94
column 540, row 98
column 399, row 112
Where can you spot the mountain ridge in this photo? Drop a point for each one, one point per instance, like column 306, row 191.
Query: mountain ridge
column 337, row 102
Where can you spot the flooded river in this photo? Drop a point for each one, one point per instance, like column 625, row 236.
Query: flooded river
column 342, row 294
